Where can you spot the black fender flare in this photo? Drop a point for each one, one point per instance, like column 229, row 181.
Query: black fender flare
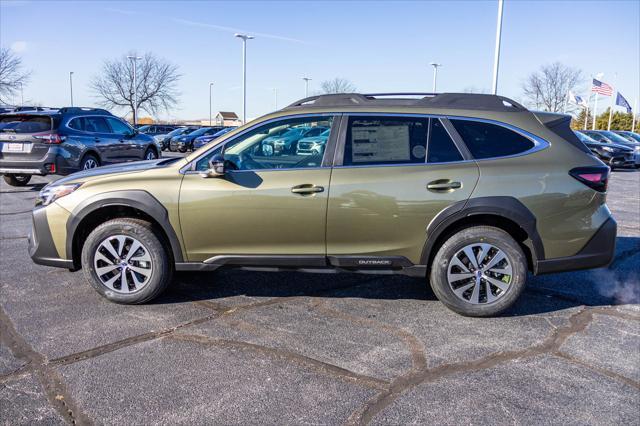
column 137, row 199
column 503, row 206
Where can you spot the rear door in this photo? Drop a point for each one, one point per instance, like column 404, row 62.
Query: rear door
column 96, row 127
column 393, row 175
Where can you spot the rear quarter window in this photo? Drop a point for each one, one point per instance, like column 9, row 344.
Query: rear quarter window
column 487, row 140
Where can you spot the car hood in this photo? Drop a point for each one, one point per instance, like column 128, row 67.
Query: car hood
column 137, row 166
column 314, row 139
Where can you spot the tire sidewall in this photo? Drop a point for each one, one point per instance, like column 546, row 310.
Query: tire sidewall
column 161, row 272
column 499, row 239
column 15, row 180
column 87, row 157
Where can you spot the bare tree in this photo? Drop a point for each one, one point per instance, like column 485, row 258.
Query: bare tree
column 337, row 85
column 12, row 77
column 156, row 84
column 549, row 87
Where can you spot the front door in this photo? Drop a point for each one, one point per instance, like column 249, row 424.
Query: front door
column 396, row 174
column 265, row 205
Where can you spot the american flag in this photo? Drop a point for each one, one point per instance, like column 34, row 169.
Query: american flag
column 602, row 88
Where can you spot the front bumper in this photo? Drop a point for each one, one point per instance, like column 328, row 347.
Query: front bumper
column 41, row 247
column 597, row 253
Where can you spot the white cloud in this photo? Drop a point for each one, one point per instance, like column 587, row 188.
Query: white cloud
column 235, row 30
column 19, row 46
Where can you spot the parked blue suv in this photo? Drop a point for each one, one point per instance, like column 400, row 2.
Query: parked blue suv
column 66, row 140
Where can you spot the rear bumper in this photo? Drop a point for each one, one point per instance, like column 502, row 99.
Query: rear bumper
column 41, row 247
column 41, row 166
column 598, row 252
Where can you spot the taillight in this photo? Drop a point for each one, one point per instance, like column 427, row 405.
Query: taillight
column 595, row 177
column 50, row 138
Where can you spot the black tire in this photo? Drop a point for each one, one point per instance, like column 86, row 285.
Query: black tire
column 150, row 152
column 479, row 235
column 183, row 148
column 162, row 268
column 89, row 161
column 17, row 180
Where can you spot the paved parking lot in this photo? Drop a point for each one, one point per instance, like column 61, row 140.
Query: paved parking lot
column 244, row 347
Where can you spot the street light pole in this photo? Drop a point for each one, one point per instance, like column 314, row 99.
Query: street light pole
column 71, row 85
column 306, row 86
column 435, row 66
column 244, row 38
column 275, row 98
column 21, row 95
column 135, row 89
column 496, row 56
column 210, row 86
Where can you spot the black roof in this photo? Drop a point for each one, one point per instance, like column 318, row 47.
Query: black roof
column 473, row 101
column 65, row 111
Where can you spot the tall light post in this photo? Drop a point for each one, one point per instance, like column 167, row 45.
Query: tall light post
column 244, row 38
column 306, row 86
column 435, row 66
column 71, row 85
column 21, row 95
column 496, row 56
column 210, row 87
column 275, row 98
column 135, row 88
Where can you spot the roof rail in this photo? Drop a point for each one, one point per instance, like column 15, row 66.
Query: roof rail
column 474, row 101
column 80, row 110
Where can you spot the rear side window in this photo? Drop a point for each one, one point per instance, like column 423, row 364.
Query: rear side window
column 441, row 147
column 393, row 140
column 25, row 124
column 486, row 140
column 77, row 123
column 96, row 125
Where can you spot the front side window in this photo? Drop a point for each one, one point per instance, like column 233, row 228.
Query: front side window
column 282, row 144
column 119, row 127
column 487, row 140
column 385, row 140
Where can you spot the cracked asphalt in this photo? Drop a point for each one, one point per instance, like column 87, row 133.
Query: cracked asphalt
column 237, row 347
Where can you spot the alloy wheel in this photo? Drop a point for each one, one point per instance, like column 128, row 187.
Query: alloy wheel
column 150, row 155
column 90, row 163
column 480, row 273
column 123, row 264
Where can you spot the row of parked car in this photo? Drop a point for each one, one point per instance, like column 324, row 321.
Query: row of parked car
column 618, row 149
column 183, row 138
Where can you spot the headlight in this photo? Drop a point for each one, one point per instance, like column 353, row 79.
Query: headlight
column 606, row 148
column 51, row 193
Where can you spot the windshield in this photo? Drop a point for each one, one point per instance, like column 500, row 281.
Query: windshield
column 631, row 135
column 144, row 128
column 615, row 138
column 199, row 132
column 585, row 138
column 26, row 124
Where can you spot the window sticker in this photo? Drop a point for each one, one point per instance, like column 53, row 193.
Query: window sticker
column 380, row 143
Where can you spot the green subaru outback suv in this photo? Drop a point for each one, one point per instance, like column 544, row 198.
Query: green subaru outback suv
column 468, row 192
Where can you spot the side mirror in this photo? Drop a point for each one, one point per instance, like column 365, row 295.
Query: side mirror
column 216, row 167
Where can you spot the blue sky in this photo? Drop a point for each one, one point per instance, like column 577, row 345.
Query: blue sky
column 380, row 46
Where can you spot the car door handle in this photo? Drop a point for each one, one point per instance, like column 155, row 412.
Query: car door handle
column 307, row 189
column 97, row 139
column 443, row 185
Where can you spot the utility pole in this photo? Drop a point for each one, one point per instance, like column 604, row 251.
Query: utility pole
column 306, row 86
column 210, row 86
column 435, row 66
column 135, row 88
column 244, row 38
column 496, row 56
column 71, row 85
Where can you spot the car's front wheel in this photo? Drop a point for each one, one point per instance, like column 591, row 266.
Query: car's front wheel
column 17, row 180
column 479, row 271
column 125, row 261
column 150, row 154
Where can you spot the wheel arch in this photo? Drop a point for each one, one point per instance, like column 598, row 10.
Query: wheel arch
column 93, row 152
column 506, row 213
column 110, row 205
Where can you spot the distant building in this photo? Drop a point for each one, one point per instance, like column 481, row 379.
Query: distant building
column 226, row 118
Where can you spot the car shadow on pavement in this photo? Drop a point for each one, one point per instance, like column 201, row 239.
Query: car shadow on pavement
column 617, row 284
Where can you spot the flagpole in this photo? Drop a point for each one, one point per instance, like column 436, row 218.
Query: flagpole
column 595, row 111
column 633, row 113
column 615, row 79
column 566, row 101
column 586, row 112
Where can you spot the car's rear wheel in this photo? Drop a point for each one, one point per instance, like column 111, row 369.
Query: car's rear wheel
column 479, row 271
column 126, row 262
column 17, row 180
column 183, row 148
column 150, row 154
column 89, row 161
